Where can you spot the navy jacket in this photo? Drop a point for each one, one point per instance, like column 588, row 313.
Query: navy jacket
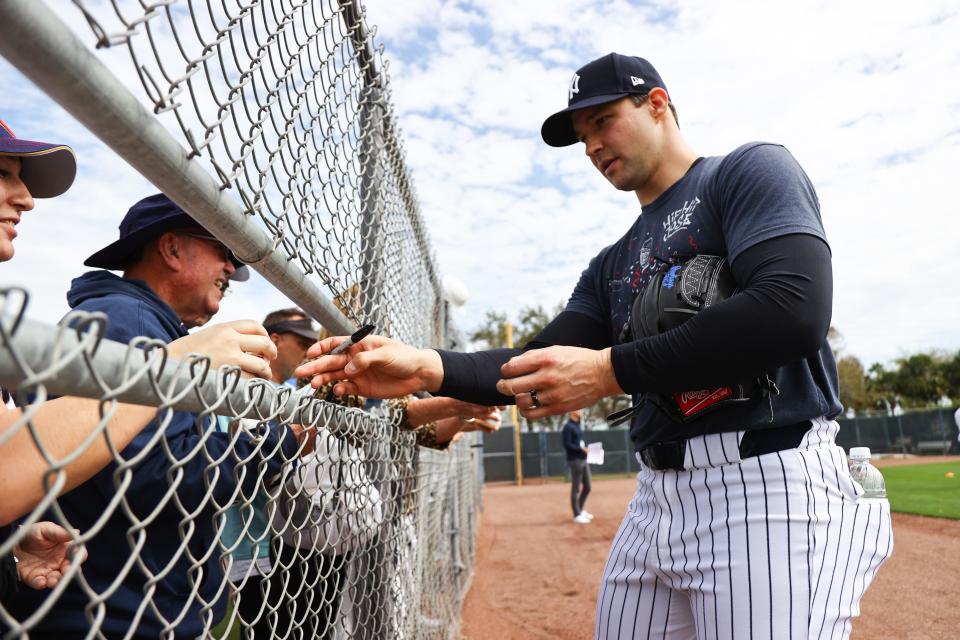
column 572, row 437
column 134, row 310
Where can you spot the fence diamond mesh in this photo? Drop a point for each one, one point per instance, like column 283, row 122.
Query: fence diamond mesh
column 242, row 504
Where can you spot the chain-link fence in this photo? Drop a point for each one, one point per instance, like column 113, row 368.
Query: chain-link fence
column 270, row 122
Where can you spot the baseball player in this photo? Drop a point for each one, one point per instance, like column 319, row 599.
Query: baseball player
column 712, row 311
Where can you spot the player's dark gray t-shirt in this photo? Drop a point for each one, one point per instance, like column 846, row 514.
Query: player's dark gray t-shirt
column 723, row 206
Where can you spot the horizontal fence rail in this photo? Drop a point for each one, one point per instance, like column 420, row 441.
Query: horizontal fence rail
column 75, row 359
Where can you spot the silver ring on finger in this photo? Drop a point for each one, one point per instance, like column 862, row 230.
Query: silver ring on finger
column 534, row 399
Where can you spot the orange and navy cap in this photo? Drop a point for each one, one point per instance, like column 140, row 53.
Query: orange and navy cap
column 47, row 169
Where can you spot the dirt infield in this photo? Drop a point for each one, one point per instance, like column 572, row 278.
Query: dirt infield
column 537, row 572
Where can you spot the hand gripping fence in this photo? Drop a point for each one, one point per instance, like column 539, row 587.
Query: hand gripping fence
column 270, row 122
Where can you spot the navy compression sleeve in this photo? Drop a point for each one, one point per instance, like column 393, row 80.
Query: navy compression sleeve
column 473, row 376
column 782, row 314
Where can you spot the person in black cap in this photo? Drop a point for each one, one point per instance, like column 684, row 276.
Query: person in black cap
column 175, row 274
column 746, row 520
column 292, row 333
column 246, row 529
column 30, row 169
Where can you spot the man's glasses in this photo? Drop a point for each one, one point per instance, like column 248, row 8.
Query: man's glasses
column 224, row 249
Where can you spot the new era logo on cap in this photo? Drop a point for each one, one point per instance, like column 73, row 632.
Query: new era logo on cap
column 604, row 80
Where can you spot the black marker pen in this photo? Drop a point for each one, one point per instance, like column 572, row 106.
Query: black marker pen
column 357, row 336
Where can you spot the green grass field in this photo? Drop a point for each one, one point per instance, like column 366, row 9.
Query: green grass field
column 924, row 489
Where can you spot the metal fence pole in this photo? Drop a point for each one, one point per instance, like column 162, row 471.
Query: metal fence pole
column 886, row 431
column 516, row 421
column 361, row 39
column 371, row 225
column 542, row 445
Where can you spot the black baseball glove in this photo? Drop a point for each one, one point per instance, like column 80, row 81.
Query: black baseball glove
column 675, row 294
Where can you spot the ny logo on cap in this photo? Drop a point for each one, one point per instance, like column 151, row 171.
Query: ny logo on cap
column 635, row 80
column 574, row 86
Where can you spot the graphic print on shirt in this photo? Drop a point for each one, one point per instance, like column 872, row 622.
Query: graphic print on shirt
column 678, row 220
column 643, row 259
column 630, row 280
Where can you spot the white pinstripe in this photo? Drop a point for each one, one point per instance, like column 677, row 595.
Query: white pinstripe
column 775, row 546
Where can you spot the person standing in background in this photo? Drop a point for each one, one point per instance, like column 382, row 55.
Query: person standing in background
column 576, row 450
column 247, row 529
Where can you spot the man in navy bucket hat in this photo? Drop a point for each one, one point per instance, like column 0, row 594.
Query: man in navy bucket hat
column 144, row 221
column 175, row 275
column 41, row 553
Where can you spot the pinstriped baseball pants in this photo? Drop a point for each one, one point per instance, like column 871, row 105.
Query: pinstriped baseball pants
column 776, row 546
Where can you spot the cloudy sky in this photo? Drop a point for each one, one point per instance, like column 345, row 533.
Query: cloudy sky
column 864, row 94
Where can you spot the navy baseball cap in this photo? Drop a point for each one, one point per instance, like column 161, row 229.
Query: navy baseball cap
column 603, row 80
column 146, row 220
column 46, row 169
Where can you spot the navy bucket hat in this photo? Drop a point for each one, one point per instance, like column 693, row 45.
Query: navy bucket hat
column 47, row 169
column 603, row 80
column 146, row 220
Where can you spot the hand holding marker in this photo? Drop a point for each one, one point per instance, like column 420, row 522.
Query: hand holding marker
column 356, row 337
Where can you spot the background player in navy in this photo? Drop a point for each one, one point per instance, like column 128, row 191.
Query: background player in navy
column 579, row 469
column 746, row 522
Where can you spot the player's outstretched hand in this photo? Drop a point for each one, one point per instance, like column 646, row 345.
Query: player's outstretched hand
column 44, row 555
column 375, row 367
column 243, row 343
column 564, row 378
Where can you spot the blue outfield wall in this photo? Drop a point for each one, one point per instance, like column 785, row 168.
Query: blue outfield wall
column 542, row 455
